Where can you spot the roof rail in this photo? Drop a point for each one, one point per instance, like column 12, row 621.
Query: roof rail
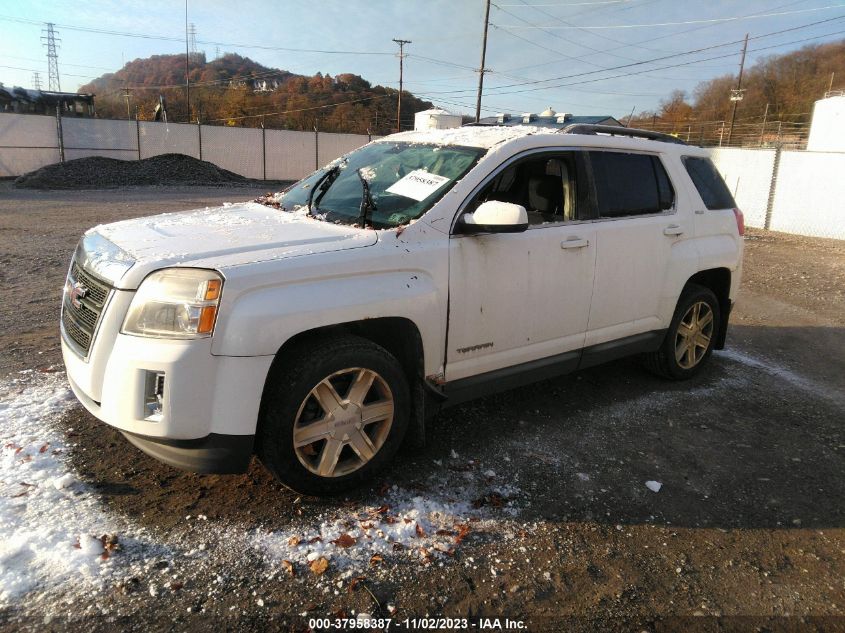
column 615, row 130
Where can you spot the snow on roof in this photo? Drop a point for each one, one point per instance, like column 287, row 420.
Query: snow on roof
column 435, row 111
column 469, row 136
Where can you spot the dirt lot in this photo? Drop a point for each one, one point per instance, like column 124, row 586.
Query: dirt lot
column 539, row 493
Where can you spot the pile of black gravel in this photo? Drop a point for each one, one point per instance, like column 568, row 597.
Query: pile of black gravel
column 99, row 172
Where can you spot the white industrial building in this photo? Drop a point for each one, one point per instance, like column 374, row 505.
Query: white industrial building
column 827, row 130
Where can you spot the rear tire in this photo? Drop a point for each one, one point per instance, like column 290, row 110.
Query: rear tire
column 333, row 414
column 691, row 336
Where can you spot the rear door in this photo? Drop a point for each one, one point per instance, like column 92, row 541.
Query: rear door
column 638, row 228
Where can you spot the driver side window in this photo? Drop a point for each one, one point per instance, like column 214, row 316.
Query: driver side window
column 547, row 185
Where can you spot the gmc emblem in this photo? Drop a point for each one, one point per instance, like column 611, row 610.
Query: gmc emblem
column 77, row 293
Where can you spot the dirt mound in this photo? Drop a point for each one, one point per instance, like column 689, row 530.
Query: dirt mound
column 99, row 172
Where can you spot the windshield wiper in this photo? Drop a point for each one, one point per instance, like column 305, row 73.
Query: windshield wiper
column 367, row 202
column 323, row 184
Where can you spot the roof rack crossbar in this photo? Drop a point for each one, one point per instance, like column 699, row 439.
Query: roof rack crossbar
column 615, row 130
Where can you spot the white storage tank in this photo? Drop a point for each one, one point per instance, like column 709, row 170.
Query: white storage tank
column 436, row 119
column 827, row 131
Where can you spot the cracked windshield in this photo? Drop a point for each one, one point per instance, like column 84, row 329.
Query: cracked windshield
column 382, row 184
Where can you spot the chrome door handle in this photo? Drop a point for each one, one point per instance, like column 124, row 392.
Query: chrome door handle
column 574, row 242
column 673, row 229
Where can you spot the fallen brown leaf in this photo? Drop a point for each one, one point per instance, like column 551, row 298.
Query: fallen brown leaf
column 176, row 585
column 344, row 540
column 289, row 568
column 445, row 533
column 420, row 531
column 375, row 559
column 383, row 509
column 43, row 449
column 319, row 566
column 316, row 539
column 293, row 541
column 354, row 582
column 463, row 532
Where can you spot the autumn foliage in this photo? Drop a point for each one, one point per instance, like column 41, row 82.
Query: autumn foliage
column 234, row 90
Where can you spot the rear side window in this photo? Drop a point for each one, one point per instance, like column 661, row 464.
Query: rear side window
column 712, row 189
column 630, row 184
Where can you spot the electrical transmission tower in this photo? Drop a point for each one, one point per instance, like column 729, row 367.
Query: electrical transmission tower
column 36, row 80
column 52, row 43
column 192, row 40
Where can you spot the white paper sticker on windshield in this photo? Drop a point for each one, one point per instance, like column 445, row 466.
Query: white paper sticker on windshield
column 418, row 185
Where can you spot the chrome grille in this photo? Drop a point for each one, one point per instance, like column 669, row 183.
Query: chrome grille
column 80, row 322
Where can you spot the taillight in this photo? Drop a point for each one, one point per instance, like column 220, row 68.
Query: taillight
column 740, row 222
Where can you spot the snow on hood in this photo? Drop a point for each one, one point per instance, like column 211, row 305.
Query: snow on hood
column 469, row 136
column 229, row 235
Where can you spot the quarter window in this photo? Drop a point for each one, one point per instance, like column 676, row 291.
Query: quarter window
column 712, row 189
column 630, row 184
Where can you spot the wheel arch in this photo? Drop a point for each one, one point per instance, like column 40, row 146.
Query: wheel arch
column 400, row 336
column 718, row 280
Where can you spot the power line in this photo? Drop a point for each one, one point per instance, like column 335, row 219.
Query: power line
column 658, row 24
column 167, row 38
column 665, row 57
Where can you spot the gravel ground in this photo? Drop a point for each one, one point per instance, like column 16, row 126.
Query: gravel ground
column 540, row 493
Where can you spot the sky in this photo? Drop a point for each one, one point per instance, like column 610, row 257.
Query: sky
column 578, row 56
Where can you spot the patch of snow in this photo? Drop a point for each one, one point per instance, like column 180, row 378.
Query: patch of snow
column 654, row 486
column 51, row 525
column 471, row 136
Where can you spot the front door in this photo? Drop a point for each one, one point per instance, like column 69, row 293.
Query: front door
column 515, row 298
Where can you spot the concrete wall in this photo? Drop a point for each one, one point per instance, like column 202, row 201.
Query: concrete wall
column 28, row 142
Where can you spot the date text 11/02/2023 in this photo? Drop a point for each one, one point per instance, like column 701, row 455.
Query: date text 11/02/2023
column 429, row 624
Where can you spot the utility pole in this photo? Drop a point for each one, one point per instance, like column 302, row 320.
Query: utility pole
column 482, row 69
column 736, row 95
column 763, row 129
column 128, row 111
column 830, row 85
column 401, row 71
column 187, row 66
column 49, row 41
column 36, row 80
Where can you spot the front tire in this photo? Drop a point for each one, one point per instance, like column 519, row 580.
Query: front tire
column 691, row 336
column 334, row 413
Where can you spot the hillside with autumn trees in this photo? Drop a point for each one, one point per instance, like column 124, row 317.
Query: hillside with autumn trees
column 234, row 90
column 777, row 105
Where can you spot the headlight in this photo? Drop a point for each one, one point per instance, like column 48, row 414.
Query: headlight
column 175, row 303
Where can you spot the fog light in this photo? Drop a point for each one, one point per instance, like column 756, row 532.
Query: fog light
column 154, row 396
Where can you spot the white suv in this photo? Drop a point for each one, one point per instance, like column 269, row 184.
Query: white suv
column 417, row 272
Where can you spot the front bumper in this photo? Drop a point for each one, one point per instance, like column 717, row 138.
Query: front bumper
column 212, row 454
column 210, row 406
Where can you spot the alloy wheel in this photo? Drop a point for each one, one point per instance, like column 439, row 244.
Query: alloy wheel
column 343, row 422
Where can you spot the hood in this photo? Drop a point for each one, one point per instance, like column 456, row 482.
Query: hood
column 220, row 237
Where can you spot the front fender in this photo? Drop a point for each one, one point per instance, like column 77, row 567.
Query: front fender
column 260, row 321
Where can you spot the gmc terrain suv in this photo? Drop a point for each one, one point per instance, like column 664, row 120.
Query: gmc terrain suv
column 417, row 272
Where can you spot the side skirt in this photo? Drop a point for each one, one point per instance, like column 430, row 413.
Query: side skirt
column 465, row 389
